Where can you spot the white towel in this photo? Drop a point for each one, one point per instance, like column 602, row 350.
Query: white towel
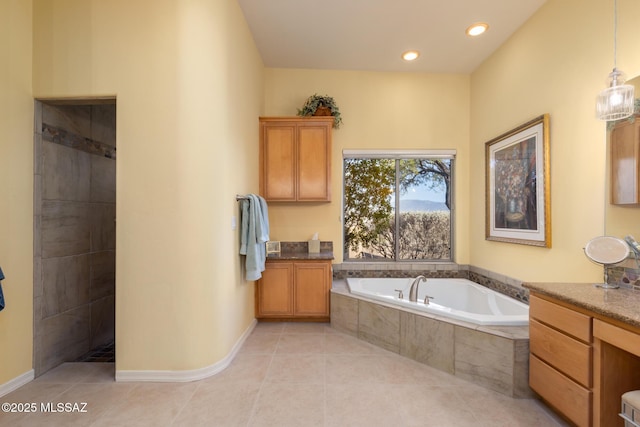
column 254, row 233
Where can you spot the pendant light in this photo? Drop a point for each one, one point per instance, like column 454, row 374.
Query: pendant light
column 617, row 101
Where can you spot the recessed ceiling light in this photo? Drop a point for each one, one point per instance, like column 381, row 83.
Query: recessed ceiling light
column 477, row 29
column 410, row 55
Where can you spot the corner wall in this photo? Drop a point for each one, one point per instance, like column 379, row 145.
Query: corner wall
column 16, row 187
column 188, row 83
column 556, row 63
column 380, row 111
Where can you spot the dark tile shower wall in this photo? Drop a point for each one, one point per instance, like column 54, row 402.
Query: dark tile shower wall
column 74, row 201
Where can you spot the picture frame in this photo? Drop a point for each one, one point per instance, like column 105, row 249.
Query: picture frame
column 517, row 195
column 273, row 247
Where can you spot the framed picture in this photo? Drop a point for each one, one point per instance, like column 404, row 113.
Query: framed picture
column 273, row 247
column 517, row 201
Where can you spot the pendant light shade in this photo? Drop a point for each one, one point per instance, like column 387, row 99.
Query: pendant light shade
column 617, row 101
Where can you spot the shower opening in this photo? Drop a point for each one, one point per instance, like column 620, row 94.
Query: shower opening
column 74, row 231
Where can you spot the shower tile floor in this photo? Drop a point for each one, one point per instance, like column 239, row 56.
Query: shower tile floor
column 105, row 353
column 286, row 374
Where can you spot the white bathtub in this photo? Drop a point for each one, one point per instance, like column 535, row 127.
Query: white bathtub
column 459, row 299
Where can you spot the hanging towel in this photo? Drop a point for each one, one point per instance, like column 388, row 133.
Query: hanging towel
column 1, row 296
column 254, row 233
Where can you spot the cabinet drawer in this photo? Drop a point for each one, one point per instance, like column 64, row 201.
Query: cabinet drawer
column 621, row 338
column 571, row 322
column 566, row 396
column 564, row 353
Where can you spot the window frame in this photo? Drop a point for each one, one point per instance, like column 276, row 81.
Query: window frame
column 403, row 155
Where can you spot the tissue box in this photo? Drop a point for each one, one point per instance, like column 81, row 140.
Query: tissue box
column 314, row 246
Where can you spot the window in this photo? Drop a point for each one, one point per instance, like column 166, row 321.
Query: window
column 397, row 205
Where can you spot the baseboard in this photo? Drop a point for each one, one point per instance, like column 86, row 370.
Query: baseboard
column 17, row 382
column 186, row 376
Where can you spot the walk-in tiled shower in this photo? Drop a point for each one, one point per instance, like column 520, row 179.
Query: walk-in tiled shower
column 74, row 229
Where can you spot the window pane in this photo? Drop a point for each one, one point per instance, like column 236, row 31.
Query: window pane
column 368, row 209
column 425, row 225
column 422, row 228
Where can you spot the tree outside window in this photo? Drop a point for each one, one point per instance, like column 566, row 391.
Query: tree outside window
column 397, row 209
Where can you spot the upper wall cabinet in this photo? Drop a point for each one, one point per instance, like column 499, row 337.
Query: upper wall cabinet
column 625, row 163
column 295, row 159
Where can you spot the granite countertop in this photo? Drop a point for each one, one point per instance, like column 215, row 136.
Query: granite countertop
column 322, row 255
column 621, row 304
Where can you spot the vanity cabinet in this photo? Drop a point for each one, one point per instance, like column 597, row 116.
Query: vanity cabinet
column 295, row 159
column 581, row 362
column 294, row 290
column 560, row 363
column 625, row 163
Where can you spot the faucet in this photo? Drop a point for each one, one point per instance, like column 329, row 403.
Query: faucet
column 413, row 292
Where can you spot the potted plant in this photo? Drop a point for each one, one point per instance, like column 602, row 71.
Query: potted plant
column 321, row 105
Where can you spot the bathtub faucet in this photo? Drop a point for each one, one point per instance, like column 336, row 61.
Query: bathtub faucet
column 413, row 292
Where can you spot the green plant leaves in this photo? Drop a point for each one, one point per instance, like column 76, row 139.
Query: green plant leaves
column 314, row 101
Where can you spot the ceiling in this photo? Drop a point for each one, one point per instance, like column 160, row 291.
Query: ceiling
column 372, row 34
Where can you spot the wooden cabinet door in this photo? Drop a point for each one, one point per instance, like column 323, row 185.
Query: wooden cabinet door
column 314, row 162
column 274, row 290
column 295, row 159
column 625, row 163
column 278, row 161
column 312, row 284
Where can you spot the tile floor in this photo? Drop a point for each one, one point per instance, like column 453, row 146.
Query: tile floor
column 286, row 374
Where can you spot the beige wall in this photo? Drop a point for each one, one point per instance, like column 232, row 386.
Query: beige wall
column 188, row 83
column 556, row 63
column 16, row 187
column 189, row 87
column 380, row 111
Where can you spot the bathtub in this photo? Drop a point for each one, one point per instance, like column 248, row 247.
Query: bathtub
column 459, row 299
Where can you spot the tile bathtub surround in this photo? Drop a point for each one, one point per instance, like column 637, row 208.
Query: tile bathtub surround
column 428, row 341
column 495, row 357
column 278, row 379
column 379, row 325
column 344, row 271
column 74, row 232
column 344, row 314
column 512, row 290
